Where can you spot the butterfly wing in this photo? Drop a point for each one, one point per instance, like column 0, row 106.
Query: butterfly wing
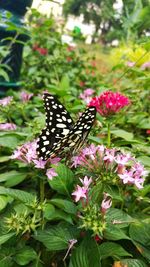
column 58, row 125
column 76, row 136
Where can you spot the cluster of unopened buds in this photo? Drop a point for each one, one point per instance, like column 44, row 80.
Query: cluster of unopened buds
column 110, row 165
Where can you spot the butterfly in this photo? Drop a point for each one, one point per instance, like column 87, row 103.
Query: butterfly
column 61, row 133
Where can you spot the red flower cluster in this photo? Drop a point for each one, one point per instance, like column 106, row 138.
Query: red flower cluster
column 42, row 51
column 109, row 103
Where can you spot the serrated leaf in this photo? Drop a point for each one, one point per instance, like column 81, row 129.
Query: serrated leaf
column 111, row 249
column 49, row 211
column 63, row 182
column 65, row 205
column 55, row 238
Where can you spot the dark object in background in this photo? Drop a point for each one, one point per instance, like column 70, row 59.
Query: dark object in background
column 13, row 59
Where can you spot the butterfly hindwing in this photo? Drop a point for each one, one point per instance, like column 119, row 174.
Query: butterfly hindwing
column 58, row 125
column 75, row 138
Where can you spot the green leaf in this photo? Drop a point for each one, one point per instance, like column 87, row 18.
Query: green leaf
column 63, row 182
column 9, row 141
column 140, row 234
column 17, row 194
column 86, row 255
column 3, row 202
column 49, row 211
column 5, row 238
column 55, row 238
column 145, row 160
column 4, row 159
column 12, row 178
column 111, row 249
column 133, row 263
column 65, row 205
column 25, row 255
column 112, row 232
column 123, row 134
column 118, row 217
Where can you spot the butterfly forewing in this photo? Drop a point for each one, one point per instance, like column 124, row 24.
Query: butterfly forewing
column 76, row 137
column 58, row 125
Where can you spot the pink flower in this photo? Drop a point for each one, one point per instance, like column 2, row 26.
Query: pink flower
column 148, row 131
column 25, row 96
column 54, row 160
column 7, row 126
column 130, row 64
column 86, row 95
column 122, row 159
column 51, row 173
column 127, row 177
column 86, row 182
column 91, row 150
column 26, row 153
column 106, row 203
column 109, row 155
column 109, row 103
column 6, row 101
column 146, row 65
column 79, row 193
column 39, row 164
column 77, row 160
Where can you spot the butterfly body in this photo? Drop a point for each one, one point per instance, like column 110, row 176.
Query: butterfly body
column 61, row 133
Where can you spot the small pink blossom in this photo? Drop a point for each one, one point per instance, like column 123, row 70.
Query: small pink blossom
column 71, row 244
column 109, row 103
column 91, row 150
column 122, row 159
column 109, row 155
column 6, row 101
column 77, row 160
column 39, row 164
column 86, row 95
column 25, row 96
column 54, row 160
column 130, row 64
column 146, row 65
column 79, row 193
column 127, row 177
column 7, row 126
column 51, row 173
column 86, row 182
column 106, row 203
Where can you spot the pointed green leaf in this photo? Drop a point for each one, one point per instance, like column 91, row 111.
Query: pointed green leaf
column 5, row 238
column 63, row 182
column 65, row 205
column 111, row 249
column 25, row 255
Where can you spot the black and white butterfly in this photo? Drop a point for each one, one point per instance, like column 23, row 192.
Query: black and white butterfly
column 61, row 133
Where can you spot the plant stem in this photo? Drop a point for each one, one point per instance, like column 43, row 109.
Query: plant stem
column 108, row 135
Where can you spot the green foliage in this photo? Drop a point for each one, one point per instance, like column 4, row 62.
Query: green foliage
column 41, row 223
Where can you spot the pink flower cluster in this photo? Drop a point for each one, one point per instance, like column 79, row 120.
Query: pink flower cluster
column 25, row 97
column 98, row 159
column 87, row 95
column 6, row 101
column 7, row 126
column 27, row 154
column 109, row 103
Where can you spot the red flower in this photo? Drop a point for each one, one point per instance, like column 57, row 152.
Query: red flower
column 97, row 238
column 148, row 131
column 41, row 50
column 69, row 59
column 109, row 103
column 82, row 83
